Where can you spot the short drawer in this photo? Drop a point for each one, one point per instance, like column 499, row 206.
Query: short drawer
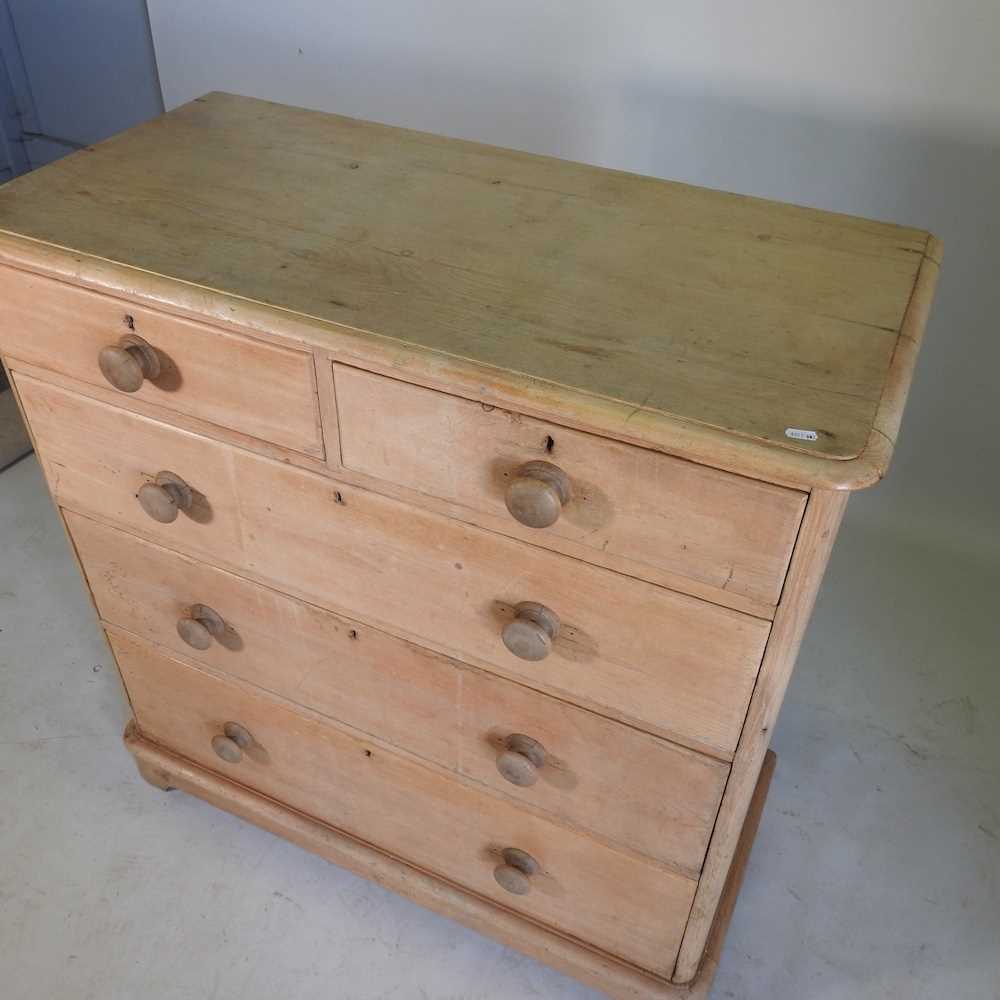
column 615, row 901
column 627, row 786
column 678, row 666
column 728, row 532
column 262, row 390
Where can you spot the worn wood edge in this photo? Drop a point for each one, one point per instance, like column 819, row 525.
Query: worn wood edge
column 812, row 551
column 617, row 979
column 151, row 772
column 667, row 433
column 873, row 462
column 911, row 333
column 935, row 249
column 737, row 870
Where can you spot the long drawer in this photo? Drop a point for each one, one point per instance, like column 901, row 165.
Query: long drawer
column 624, row 905
column 635, row 789
column 726, row 531
column 680, row 667
column 260, row 389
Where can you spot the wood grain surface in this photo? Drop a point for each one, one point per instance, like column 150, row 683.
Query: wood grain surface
column 819, row 531
column 260, row 389
column 677, row 305
column 732, row 533
column 631, row 788
column 625, row 906
column 664, row 661
column 618, row 980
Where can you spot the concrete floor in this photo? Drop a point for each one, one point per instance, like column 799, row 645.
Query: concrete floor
column 875, row 873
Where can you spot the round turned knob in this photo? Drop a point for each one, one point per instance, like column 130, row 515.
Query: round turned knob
column 515, row 873
column 537, row 493
column 532, row 631
column 520, row 759
column 164, row 496
column 128, row 363
column 231, row 742
column 199, row 626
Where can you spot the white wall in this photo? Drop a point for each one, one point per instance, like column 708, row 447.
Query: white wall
column 887, row 109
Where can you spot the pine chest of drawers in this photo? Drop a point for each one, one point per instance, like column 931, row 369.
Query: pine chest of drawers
column 454, row 512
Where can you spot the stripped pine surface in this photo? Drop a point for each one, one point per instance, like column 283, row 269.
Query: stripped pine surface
column 706, row 320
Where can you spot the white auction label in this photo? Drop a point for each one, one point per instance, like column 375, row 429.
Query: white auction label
column 800, row 435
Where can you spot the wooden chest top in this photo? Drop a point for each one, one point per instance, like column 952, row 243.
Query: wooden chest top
column 758, row 337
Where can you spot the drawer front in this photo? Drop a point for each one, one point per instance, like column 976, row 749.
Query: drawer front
column 372, row 681
column 632, row 788
column 259, row 389
column 679, row 666
column 674, row 516
column 615, row 901
column 96, row 458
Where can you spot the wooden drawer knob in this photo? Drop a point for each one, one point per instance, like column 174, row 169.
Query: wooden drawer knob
column 532, row 631
column 515, row 873
column 164, row 497
column 127, row 364
column 198, row 627
column 231, row 742
column 536, row 494
column 521, row 759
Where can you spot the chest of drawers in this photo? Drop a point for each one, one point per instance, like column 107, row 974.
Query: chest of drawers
column 454, row 512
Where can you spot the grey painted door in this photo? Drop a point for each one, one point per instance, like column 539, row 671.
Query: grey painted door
column 71, row 74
